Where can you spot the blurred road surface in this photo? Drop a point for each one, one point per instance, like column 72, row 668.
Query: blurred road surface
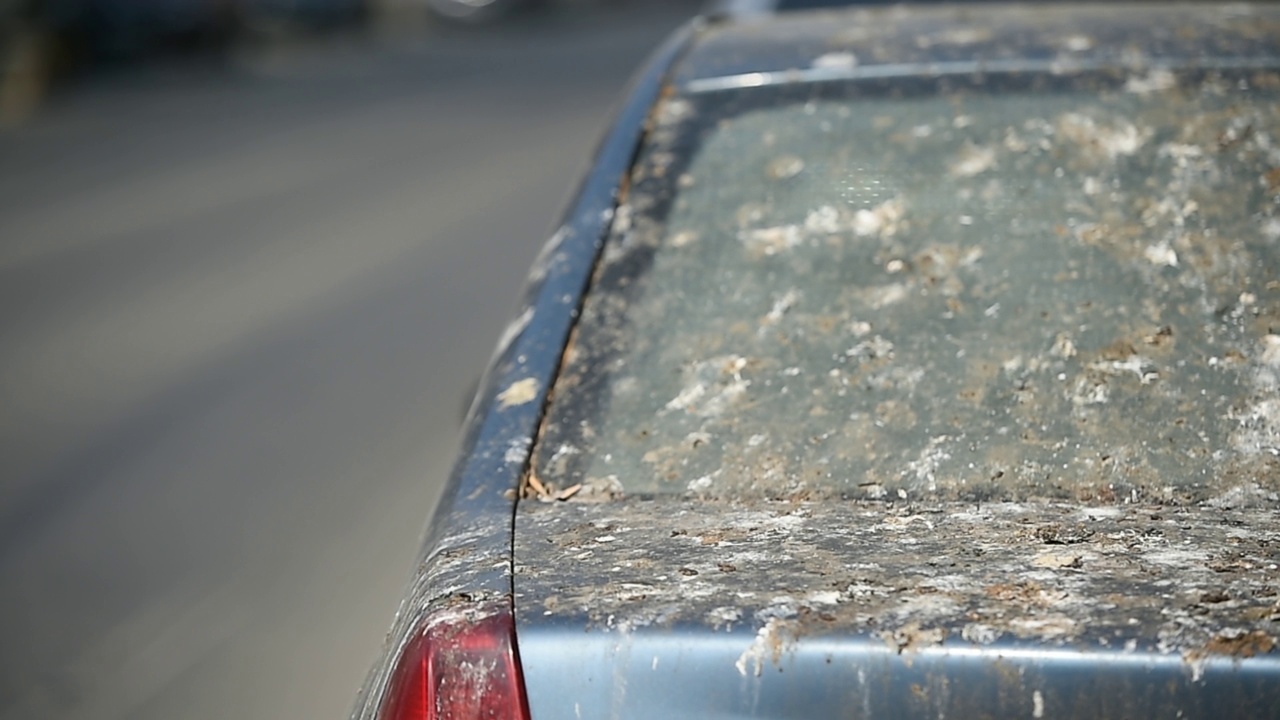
column 240, row 305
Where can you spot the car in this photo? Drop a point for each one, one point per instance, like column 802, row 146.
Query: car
column 477, row 12
column 890, row 362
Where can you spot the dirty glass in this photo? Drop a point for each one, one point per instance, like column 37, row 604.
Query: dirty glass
column 993, row 291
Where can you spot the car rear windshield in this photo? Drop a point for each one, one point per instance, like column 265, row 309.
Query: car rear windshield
column 993, row 288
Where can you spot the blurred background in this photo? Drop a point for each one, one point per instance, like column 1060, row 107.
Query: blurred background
column 253, row 255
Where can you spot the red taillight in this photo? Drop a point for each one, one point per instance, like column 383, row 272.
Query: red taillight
column 459, row 669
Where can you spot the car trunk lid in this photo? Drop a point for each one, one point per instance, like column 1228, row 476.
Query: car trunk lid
column 670, row 607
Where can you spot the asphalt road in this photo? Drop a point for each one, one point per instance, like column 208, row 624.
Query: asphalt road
column 241, row 303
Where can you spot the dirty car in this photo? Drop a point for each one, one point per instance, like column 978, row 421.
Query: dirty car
column 896, row 362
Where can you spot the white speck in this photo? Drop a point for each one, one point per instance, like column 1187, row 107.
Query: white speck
column 771, row 240
column 1259, row 431
column 768, row 641
column 697, row 437
column 956, row 35
column 699, row 484
column 606, row 539
column 1161, row 254
column 992, row 311
column 876, row 347
column 687, row 397
column 1271, row 350
column 859, row 328
column 881, row 220
column 518, row 393
column 724, row 616
column 927, row 464
column 755, row 440
column 1078, row 43
column 1136, row 364
column 1156, row 80
column 622, row 219
column 973, row 160
column 1048, row 626
column 781, row 606
column 1057, row 560
column 673, row 111
column 683, row 238
column 721, row 400
column 782, row 305
column 836, row 61
column 979, row 633
column 1088, row 393
column 823, row 597
column 1037, row 704
column 1248, row 495
column 786, row 166
column 517, row 451
column 966, row 219
column 1122, row 139
column 1181, row 152
column 1063, row 347
column 823, row 220
column 654, row 665
column 888, row 295
column 564, row 451
column 716, row 383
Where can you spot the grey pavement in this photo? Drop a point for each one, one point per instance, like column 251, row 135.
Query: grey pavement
column 241, row 303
